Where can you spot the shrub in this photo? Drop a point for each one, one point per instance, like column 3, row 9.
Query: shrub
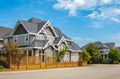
column 1, row 67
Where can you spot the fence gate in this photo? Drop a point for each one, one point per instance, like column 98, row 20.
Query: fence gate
column 43, row 60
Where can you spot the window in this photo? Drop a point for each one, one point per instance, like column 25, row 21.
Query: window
column 29, row 53
column 41, row 36
column 5, row 40
column 26, row 38
column 15, row 39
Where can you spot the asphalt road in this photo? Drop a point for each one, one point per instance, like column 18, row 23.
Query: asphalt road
column 92, row 72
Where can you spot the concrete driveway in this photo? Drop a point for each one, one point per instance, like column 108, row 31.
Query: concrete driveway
column 92, row 72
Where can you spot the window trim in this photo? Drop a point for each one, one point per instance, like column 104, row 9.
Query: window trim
column 26, row 38
column 15, row 39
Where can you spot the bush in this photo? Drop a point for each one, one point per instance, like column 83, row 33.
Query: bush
column 4, row 63
column 1, row 67
column 116, row 62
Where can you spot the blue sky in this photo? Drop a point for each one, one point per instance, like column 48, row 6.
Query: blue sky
column 83, row 21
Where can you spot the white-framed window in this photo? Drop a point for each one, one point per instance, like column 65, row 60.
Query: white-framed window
column 6, row 40
column 41, row 36
column 26, row 38
column 15, row 38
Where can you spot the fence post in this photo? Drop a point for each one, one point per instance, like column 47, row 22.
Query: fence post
column 27, row 62
column 10, row 61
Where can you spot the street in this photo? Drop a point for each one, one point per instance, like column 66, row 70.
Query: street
column 91, row 72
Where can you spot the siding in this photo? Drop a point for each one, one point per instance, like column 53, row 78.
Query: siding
column 50, row 52
column 66, row 58
column 74, row 56
column 21, row 41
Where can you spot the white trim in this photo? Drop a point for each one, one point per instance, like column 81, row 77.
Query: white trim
column 15, row 37
column 33, row 33
column 16, row 26
column 30, row 47
column 49, row 25
column 60, row 40
column 26, row 36
column 42, row 28
column 54, row 47
column 75, row 50
column 1, row 39
column 52, row 28
column 24, row 26
column 46, row 44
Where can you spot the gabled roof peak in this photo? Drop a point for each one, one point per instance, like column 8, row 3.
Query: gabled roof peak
column 35, row 20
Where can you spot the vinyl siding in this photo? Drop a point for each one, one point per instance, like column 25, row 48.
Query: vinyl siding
column 21, row 40
column 74, row 56
column 66, row 58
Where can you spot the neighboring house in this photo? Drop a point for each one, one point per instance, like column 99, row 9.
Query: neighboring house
column 3, row 32
column 104, row 48
column 118, row 48
column 37, row 37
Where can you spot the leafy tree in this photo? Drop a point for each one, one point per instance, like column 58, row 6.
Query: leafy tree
column 61, row 52
column 114, row 55
column 11, row 49
column 85, row 56
column 94, row 53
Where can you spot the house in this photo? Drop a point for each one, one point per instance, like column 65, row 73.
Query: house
column 118, row 48
column 36, row 37
column 104, row 48
column 3, row 32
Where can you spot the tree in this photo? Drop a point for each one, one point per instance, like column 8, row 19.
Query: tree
column 61, row 52
column 11, row 49
column 114, row 55
column 85, row 56
column 94, row 53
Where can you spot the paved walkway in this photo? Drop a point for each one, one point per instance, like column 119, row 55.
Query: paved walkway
column 91, row 72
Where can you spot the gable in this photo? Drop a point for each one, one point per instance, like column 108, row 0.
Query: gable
column 20, row 30
column 49, row 31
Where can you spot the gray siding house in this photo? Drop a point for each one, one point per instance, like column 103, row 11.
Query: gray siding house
column 104, row 48
column 3, row 32
column 37, row 37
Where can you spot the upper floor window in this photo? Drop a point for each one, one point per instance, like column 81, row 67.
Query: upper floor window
column 26, row 38
column 41, row 36
column 15, row 39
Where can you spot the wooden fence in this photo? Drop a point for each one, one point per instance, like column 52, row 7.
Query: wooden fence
column 35, row 62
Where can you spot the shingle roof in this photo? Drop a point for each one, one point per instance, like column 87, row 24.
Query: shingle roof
column 4, row 31
column 33, row 27
column 118, row 48
column 39, row 43
column 59, row 33
column 57, row 40
column 110, row 45
column 74, row 46
column 35, row 20
column 100, row 45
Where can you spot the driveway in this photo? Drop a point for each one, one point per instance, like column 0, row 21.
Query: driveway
column 91, row 72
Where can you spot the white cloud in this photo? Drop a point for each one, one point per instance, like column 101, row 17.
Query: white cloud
column 101, row 9
column 74, row 5
column 110, row 13
column 106, row 1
